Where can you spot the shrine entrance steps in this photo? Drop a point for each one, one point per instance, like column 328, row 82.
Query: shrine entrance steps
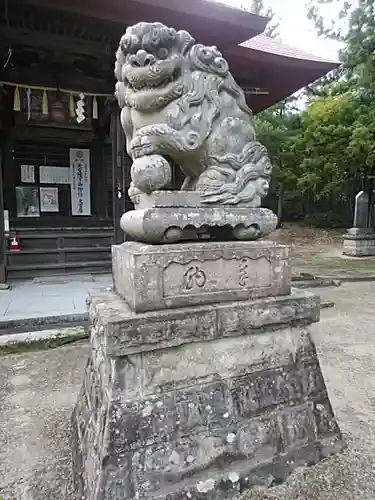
column 52, row 251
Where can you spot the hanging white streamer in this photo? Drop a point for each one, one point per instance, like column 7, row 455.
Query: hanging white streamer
column 80, row 109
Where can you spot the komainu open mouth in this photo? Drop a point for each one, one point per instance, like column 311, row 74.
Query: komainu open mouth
column 151, row 84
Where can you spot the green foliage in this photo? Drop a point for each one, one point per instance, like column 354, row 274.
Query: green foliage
column 359, row 52
column 277, row 128
column 259, row 7
column 323, row 153
column 333, row 29
column 324, row 162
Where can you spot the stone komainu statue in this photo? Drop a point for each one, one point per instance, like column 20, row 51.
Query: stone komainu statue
column 180, row 101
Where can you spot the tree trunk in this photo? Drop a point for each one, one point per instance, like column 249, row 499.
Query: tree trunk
column 280, row 205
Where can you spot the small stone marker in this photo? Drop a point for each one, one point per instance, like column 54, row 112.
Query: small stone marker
column 359, row 241
column 361, row 210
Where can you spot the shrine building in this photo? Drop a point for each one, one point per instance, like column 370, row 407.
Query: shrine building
column 64, row 169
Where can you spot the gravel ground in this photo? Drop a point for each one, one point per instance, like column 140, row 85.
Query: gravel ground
column 345, row 340
column 38, row 391
column 319, row 252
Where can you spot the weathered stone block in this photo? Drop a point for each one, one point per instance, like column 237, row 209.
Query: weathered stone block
column 153, row 277
column 359, row 242
column 119, row 331
column 238, row 402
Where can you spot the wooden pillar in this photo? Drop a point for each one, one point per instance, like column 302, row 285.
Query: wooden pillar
column 6, row 124
column 99, row 172
column 3, row 280
column 118, row 178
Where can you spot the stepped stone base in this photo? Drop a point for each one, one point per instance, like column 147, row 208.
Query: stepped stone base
column 202, row 401
column 359, row 242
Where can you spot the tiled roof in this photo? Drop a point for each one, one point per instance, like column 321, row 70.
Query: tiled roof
column 264, row 43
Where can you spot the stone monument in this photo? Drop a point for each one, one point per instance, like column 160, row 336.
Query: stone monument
column 202, row 379
column 359, row 240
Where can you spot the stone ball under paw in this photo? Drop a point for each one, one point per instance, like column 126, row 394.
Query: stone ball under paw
column 173, row 234
column 252, row 232
column 151, row 173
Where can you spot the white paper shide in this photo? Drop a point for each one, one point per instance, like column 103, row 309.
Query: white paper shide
column 80, row 181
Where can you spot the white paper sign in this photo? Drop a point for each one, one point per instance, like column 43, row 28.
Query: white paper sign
column 27, row 173
column 80, row 181
column 6, row 221
column 49, row 199
column 54, row 175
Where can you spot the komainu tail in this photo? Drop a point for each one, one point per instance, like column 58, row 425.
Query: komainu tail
column 253, row 172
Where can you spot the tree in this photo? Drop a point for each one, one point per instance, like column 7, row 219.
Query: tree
column 324, row 154
column 359, row 53
column 355, row 84
column 337, row 144
column 336, row 27
column 276, row 129
column 259, row 7
column 355, row 26
column 324, row 163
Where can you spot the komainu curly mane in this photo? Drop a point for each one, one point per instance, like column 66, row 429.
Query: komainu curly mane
column 179, row 100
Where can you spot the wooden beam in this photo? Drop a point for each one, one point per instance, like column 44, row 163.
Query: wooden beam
column 118, row 178
column 3, row 276
column 74, row 80
column 211, row 22
column 63, row 44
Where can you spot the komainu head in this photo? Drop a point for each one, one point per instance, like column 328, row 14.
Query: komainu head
column 150, row 60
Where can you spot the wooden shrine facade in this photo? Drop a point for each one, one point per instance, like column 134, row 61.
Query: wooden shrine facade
column 56, row 102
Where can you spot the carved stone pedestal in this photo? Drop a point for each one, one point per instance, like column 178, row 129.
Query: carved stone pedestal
column 152, row 277
column 211, row 387
column 171, row 216
column 359, row 242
